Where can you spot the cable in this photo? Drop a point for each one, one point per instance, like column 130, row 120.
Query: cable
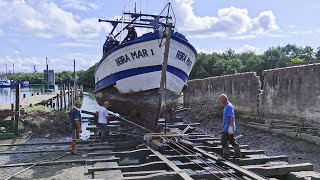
column 193, row 161
column 214, row 165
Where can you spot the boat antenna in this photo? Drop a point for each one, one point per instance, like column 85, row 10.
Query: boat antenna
column 135, row 7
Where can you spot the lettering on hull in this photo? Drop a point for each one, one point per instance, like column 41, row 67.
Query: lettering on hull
column 140, row 54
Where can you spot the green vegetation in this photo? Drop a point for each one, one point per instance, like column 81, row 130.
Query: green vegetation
column 230, row 62
column 215, row 64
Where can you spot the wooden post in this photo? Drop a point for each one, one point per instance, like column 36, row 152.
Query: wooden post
column 17, row 117
column 51, row 103
column 12, row 118
column 58, row 105
column 61, row 100
column 64, row 97
column 69, row 102
column 163, row 80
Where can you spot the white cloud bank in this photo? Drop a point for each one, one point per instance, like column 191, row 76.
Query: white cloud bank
column 45, row 19
column 230, row 20
column 63, row 63
column 244, row 48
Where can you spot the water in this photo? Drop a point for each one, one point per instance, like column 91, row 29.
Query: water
column 8, row 95
column 89, row 103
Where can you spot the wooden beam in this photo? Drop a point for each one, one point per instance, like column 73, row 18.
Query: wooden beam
column 78, row 161
column 169, row 163
column 235, row 167
column 138, row 152
column 279, row 170
column 258, row 160
column 156, row 176
column 56, row 150
column 158, row 165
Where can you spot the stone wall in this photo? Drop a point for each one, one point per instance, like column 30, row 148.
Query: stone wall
column 292, row 93
column 242, row 89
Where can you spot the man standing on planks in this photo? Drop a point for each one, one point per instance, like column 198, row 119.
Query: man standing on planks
column 229, row 128
column 75, row 120
column 103, row 117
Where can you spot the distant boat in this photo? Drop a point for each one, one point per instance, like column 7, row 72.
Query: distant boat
column 22, row 83
column 4, row 81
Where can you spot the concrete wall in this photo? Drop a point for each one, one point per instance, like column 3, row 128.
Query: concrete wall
column 292, row 93
column 242, row 89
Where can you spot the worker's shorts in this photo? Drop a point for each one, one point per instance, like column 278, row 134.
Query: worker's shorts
column 75, row 134
column 228, row 138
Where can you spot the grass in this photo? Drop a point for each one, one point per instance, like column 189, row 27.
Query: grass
column 37, row 108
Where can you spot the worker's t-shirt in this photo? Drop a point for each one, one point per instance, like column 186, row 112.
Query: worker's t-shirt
column 227, row 113
column 103, row 113
column 75, row 114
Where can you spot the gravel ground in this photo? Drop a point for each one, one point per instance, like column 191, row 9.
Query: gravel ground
column 298, row 151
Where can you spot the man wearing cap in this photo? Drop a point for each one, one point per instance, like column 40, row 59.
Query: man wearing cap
column 110, row 43
column 75, row 120
column 103, row 117
column 132, row 34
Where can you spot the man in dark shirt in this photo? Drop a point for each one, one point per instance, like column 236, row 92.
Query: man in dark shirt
column 110, row 43
column 132, row 34
column 75, row 123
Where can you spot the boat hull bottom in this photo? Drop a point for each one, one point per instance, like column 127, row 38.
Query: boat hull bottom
column 138, row 107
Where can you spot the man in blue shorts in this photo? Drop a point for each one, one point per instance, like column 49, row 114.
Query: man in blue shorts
column 229, row 128
column 75, row 123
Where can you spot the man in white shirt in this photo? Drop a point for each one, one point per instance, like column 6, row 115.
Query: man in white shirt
column 103, row 118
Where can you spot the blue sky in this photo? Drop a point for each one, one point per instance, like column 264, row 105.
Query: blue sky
column 63, row 30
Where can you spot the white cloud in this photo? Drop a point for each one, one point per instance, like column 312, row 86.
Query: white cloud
column 230, row 20
column 265, row 22
column 61, row 63
column 70, row 44
column 247, row 48
column 203, row 50
column 47, row 20
column 80, row 5
column 243, row 37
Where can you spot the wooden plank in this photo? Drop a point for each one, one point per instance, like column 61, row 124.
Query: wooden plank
column 156, row 176
column 138, row 152
column 174, row 167
column 56, row 150
column 78, row 161
column 279, row 170
column 235, row 167
column 142, row 173
column 258, row 160
column 158, row 165
column 6, row 113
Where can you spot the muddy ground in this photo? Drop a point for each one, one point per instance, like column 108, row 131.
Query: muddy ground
column 298, row 151
column 41, row 124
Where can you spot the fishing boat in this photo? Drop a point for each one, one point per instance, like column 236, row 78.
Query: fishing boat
column 143, row 78
column 4, row 82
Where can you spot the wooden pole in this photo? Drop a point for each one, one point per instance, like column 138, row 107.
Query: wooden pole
column 69, row 102
column 163, row 74
column 12, row 118
column 51, row 103
column 58, row 105
column 61, row 100
column 17, row 117
column 64, row 96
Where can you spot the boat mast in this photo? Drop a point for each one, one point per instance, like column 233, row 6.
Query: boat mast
column 163, row 81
